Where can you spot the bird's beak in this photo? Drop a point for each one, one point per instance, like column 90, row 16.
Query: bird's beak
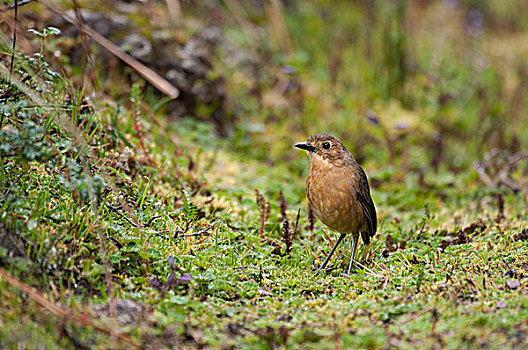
column 305, row 146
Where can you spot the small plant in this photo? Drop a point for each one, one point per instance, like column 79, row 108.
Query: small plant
column 44, row 35
column 264, row 208
column 27, row 143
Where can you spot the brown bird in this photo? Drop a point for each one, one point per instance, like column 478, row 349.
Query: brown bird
column 338, row 191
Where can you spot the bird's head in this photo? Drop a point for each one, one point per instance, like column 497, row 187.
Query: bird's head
column 327, row 149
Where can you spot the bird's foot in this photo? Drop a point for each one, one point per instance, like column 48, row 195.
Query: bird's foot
column 351, row 271
column 348, row 274
column 319, row 272
column 326, row 270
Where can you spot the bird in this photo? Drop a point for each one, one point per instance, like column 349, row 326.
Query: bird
column 338, row 192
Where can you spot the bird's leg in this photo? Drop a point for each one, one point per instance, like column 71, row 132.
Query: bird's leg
column 331, row 253
column 353, row 254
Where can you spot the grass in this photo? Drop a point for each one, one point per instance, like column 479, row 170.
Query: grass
column 121, row 227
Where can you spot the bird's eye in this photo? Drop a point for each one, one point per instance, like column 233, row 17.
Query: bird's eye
column 326, row 145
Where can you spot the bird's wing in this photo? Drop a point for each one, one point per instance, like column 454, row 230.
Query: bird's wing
column 363, row 195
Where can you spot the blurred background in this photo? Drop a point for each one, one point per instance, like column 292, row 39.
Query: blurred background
column 409, row 86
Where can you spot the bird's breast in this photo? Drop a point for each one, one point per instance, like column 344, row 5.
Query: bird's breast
column 333, row 197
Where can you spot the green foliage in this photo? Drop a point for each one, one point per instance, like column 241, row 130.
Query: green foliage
column 189, row 209
column 27, row 143
column 89, row 187
column 48, row 31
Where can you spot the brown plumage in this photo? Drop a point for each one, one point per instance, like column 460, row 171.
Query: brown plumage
column 338, row 191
